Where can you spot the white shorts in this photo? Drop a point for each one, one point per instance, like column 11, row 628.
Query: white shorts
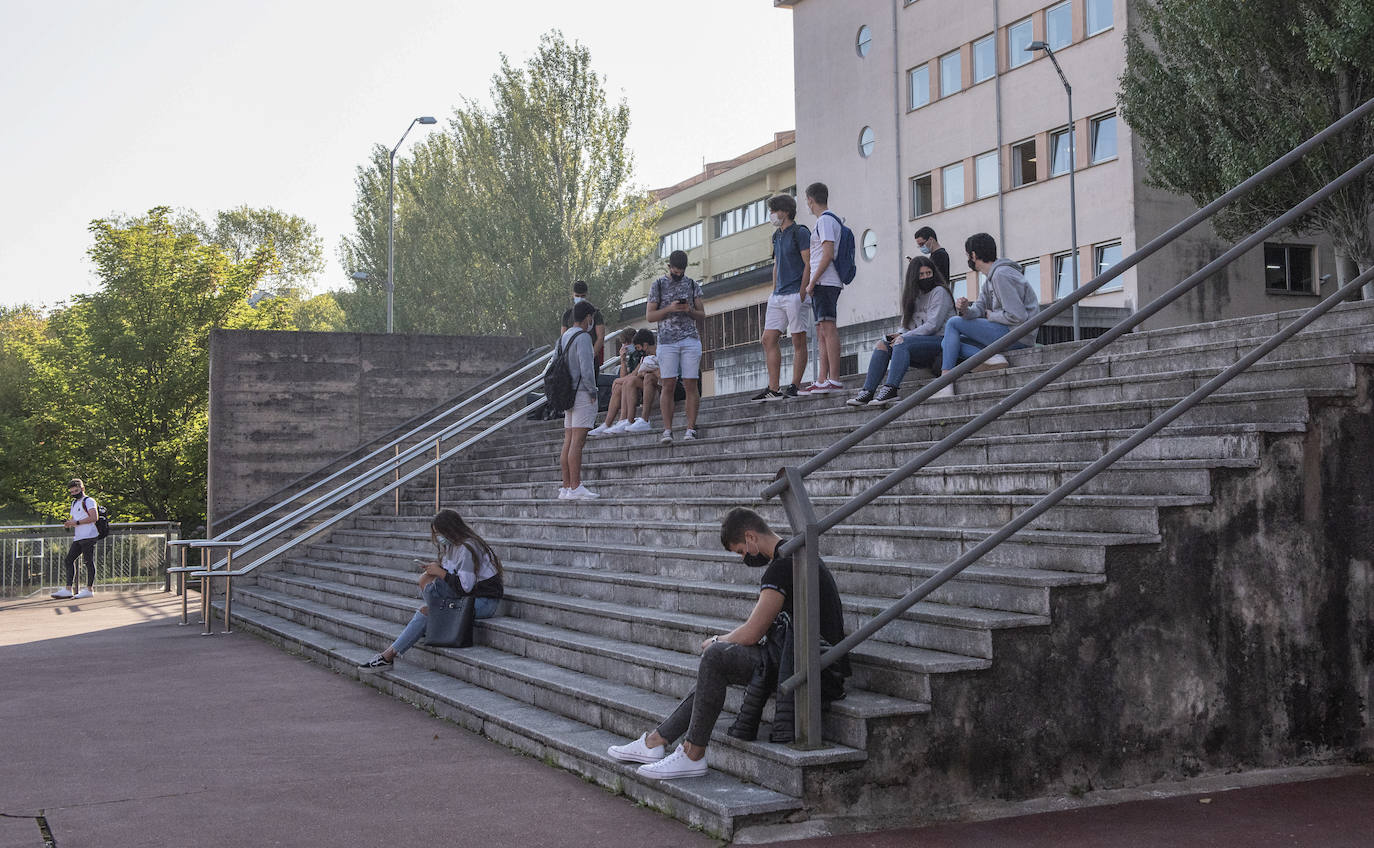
column 680, row 359
column 785, row 312
column 583, row 413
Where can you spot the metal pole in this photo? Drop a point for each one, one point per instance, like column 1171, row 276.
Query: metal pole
column 204, row 595
column 436, row 477
column 181, row 586
column 396, row 476
column 806, row 639
column 391, row 227
column 228, row 588
column 1073, row 201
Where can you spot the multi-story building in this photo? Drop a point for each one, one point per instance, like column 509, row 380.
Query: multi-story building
column 934, row 113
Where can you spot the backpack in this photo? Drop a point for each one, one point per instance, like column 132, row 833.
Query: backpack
column 559, row 391
column 844, row 252
column 102, row 522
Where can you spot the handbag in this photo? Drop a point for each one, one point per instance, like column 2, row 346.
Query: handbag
column 450, row 622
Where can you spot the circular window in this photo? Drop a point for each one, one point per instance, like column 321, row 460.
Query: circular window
column 866, row 142
column 870, row 244
column 864, row 41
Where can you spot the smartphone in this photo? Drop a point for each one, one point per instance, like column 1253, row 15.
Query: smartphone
column 682, row 300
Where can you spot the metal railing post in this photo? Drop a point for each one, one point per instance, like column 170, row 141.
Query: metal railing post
column 806, row 622
column 396, row 472
column 436, row 477
column 181, row 586
column 205, row 595
column 228, row 588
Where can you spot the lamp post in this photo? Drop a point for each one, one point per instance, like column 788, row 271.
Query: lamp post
column 391, row 218
column 1073, row 157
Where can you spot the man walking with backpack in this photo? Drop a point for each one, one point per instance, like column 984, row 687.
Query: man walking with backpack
column 832, row 267
column 85, row 512
column 575, row 355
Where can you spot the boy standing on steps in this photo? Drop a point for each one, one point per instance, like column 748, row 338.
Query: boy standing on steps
column 577, row 342
column 676, row 305
column 786, row 306
column 823, row 287
column 731, row 657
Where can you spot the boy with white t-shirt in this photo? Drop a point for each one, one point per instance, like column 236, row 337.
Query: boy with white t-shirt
column 84, row 513
column 823, row 287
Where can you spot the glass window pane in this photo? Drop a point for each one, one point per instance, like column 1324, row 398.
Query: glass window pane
column 1105, row 257
column 1275, row 267
column 1018, row 37
column 1300, row 269
column 1059, row 26
column 953, row 185
column 986, row 178
column 1099, row 16
column 1063, row 275
column 866, row 142
column 864, row 41
column 960, row 285
column 920, row 86
column 951, row 79
column 870, row 243
column 1059, row 153
column 1104, row 138
column 984, row 58
column 1031, row 271
column 921, row 201
column 1023, row 163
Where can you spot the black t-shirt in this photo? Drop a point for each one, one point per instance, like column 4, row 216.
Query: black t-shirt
column 597, row 321
column 777, row 575
column 940, row 257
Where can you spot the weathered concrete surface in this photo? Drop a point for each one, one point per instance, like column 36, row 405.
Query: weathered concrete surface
column 285, row 403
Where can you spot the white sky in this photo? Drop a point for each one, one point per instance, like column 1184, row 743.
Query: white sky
column 116, row 107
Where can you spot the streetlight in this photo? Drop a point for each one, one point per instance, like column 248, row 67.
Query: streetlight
column 391, row 217
column 1073, row 155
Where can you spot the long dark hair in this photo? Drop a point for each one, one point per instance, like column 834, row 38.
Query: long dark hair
column 911, row 289
column 451, row 526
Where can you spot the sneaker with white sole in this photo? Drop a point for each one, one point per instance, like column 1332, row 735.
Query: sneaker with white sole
column 861, row 399
column 666, row 438
column 599, row 431
column 673, row 766
column 637, row 751
column 993, row 362
column 811, row 390
column 947, row 391
column 639, row 426
column 581, row 493
column 563, row 493
column 829, row 387
column 789, row 391
column 62, row 594
column 84, row 593
column 618, row 427
column 690, row 435
column 766, row 395
column 376, row 664
column 886, row 395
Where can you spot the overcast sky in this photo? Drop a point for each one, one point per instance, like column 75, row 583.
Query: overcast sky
column 113, row 108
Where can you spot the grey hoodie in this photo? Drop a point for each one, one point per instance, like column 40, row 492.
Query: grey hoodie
column 1007, row 298
column 933, row 309
column 581, row 363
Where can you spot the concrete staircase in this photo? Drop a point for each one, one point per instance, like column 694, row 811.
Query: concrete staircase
column 608, row 599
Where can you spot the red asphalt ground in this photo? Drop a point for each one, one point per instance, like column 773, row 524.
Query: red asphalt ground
column 127, row 730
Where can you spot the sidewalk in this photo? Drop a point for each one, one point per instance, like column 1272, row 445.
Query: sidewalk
column 127, row 730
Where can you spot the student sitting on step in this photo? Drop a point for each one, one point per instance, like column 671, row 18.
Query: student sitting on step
column 467, row 565
column 638, row 373
column 731, row 657
column 926, row 306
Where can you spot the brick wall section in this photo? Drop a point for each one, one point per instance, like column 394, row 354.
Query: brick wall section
column 285, row 403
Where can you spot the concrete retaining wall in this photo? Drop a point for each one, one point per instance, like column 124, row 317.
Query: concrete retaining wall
column 285, row 403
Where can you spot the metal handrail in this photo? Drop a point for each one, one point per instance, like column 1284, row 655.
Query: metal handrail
column 808, row 527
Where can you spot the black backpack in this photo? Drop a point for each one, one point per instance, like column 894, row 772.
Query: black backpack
column 559, row 392
column 102, row 522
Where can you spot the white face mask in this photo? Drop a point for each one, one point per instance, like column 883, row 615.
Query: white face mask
column 925, row 250
column 777, row 219
column 577, row 299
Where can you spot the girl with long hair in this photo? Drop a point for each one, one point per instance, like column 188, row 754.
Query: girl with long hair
column 926, row 305
column 466, row 565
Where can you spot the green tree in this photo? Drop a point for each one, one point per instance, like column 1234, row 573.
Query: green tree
column 1215, row 90
column 20, row 329
column 241, row 232
column 496, row 217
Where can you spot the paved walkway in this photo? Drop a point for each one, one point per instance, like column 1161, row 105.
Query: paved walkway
column 126, row 730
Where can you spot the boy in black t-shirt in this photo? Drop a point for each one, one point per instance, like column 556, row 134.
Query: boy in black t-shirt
column 732, row 657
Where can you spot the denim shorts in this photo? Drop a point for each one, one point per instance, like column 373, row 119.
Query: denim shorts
column 825, row 302
column 680, row 359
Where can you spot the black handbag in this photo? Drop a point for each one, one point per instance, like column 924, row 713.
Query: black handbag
column 450, row 622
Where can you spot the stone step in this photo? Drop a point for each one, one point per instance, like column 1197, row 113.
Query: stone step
column 718, row 803
column 621, row 709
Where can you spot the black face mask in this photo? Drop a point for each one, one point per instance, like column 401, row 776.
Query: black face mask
column 971, row 266
column 925, row 284
column 757, row 560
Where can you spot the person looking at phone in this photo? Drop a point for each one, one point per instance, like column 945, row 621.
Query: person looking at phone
column 84, row 513
column 466, row 565
column 926, row 305
column 676, row 305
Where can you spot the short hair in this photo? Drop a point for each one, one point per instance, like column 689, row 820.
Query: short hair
column 626, row 336
column 737, row 522
column 785, row 203
column 582, row 311
column 580, row 287
column 644, row 337
column 982, row 246
column 678, row 259
column 819, row 193
column 75, row 481
column 927, row 233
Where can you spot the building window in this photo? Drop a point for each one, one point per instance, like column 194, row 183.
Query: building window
column 742, row 218
column 1023, row 163
column 1103, row 134
column 1060, row 153
column 1099, row 16
column 921, row 201
column 1104, row 257
column 984, row 58
column 864, row 42
column 1019, row 36
column 959, row 285
column 1059, row 26
column 952, row 185
column 986, row 177
column 919, row 79
column 870, row 244
column 1288, row 268
column 1063, row 275
column 1030, row 269
column 866, row 142
column 951, row 75
column 684, row 239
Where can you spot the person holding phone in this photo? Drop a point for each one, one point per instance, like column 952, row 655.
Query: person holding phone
column 926, row 305
column 676, row 305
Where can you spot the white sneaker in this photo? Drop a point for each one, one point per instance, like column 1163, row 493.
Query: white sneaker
column 993, row 362
column 62, row 594
column 639, row 426
column 637, row 751
column 581, row 493
column 947, row 391
column 563, row 493
column 666, row 438
column 619, row 427
column 599, row 430
column 675, row 765
column 690, row 436
column 84, row 593
column 830, row 387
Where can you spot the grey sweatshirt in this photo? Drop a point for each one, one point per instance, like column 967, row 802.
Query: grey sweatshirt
column 933, row 309
column 1007, row 298
column 581, row 363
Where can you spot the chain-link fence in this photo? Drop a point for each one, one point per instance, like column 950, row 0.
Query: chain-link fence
column 133, row 555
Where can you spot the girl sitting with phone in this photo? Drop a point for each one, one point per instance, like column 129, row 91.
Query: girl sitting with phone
column 926, row 305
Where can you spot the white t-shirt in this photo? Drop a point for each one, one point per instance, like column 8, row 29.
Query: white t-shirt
column 648, row 364
column 80, row 513
column 827, row 229
column 458, row 560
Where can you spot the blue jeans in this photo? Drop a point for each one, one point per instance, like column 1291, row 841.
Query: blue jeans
column 436, row 591
column 964, row 337
column 914, row 350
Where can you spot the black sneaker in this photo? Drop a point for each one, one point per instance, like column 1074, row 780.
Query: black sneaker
column 885, row 396
column 766, row 395
column 374, row 665
column 861, row 399
column 790, row 391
